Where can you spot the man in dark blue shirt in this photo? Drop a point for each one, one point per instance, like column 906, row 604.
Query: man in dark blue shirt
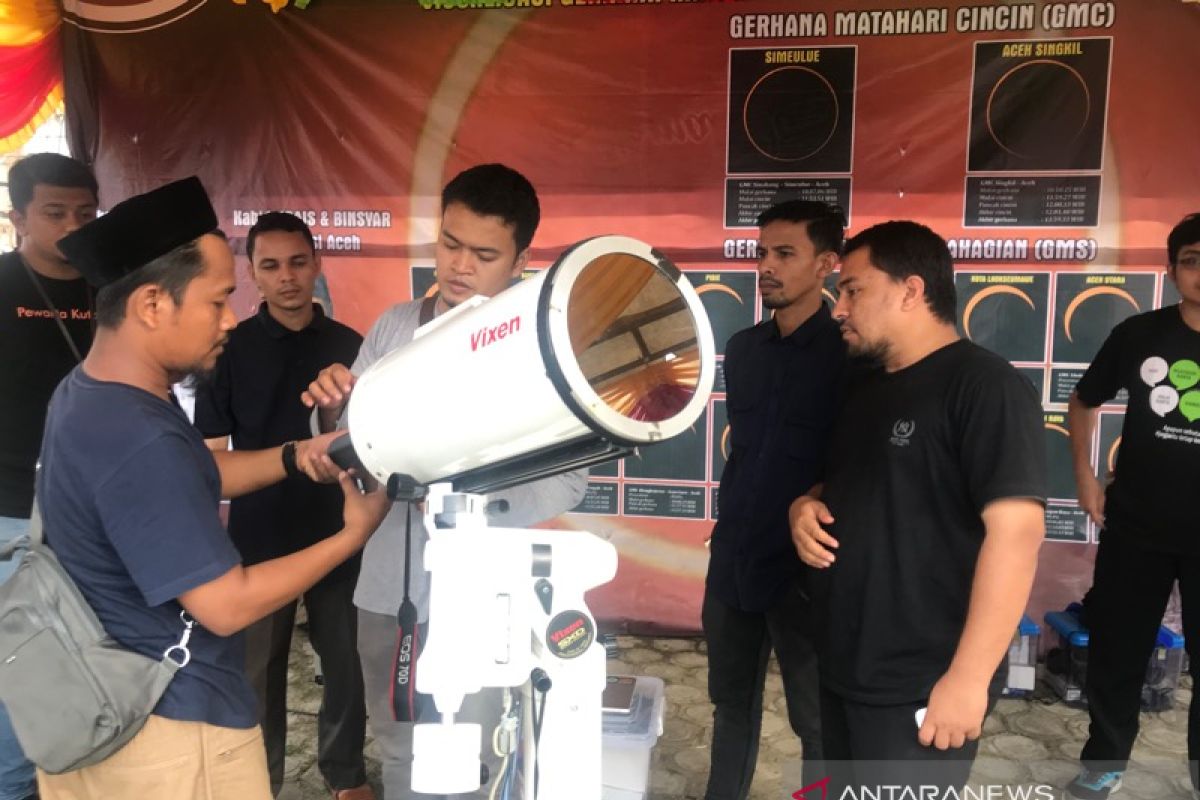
column 128, row 491
column 253, row 397
column 782, row 378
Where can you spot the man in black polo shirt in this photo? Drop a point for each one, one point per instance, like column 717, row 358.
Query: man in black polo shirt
column 253, row 397
column 782, row 384
column 926, row 531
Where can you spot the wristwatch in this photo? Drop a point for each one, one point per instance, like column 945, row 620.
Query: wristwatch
column 289, row 460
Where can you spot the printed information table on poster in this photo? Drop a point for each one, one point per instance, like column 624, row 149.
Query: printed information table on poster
column 746, row 198
column 601, row 498
column 1067, row 523
column 1063, row 381
column 1032, row 201
column 791, row 110
column 655, row 500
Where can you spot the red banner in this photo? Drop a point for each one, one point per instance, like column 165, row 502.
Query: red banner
column 1053, row 144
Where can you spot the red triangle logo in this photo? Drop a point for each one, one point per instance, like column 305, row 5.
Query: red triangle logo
column 802, row 794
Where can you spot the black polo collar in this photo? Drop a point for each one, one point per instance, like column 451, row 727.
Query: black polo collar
column 276, row 330
column 769, row 330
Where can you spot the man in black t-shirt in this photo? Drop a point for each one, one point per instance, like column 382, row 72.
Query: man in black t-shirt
column 925, row 533
column 782, row 382
column 1149, row 537
column 52, row 195
column 253, row 397
column 45, row 329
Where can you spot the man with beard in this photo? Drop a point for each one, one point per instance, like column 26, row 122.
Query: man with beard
column 925, row 533
column 782, row 384
column 128, row 491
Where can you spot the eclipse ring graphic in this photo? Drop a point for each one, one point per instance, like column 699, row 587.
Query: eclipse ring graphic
column 1038, row 109
column 986, row 293
column 716, row 287
column 790, row 113
column 1095, row 291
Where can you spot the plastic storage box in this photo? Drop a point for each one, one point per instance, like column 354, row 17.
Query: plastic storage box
column 1022, row 659
column 628, row 739
column 1162, row 674
column 1066, row 665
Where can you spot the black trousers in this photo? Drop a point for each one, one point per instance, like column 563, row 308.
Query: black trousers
column 1124, row 608
column 342, row 718
column 870, row 746
column 739, row 644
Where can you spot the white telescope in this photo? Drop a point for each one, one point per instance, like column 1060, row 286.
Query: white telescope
column 607, row 350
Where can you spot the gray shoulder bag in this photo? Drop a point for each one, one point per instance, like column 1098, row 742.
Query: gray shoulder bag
column 74, row 695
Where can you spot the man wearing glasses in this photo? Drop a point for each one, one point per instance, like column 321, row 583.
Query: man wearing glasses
column 1150, row 536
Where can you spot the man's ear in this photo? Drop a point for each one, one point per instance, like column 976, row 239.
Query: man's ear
column 520, row 263
column 148, row 304
column 826, row 263
column 914, row 292
column 251, row 276
column 18, row 222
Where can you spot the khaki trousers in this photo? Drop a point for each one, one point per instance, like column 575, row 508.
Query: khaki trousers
column 172, row 760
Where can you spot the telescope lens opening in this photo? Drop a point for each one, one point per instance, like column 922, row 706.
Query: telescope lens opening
column 634, row 337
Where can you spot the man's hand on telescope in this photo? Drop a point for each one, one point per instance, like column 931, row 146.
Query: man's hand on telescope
column 312, row 457
column 362, row 513
column 329, row 393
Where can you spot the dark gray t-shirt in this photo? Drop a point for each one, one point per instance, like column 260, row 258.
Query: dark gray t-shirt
column 129, row 492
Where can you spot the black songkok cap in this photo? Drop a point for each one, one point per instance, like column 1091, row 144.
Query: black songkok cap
column 139, row 230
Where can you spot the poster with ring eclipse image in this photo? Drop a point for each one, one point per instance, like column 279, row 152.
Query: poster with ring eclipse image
column 1039, row 105
column 791, row 110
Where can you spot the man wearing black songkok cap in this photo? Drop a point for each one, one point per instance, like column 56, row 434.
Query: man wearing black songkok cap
column 128, row 491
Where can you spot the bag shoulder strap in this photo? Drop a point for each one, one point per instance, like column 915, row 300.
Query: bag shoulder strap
column 428, row 306
column 62, row 327
column 35, row 523
column 174, row 657
column 31, row 539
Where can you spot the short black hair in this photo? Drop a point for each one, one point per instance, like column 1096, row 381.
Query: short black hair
column 278, row 221
column 172, row 271
column 50, row 169
column 826, row 223
column 1185, row 233
column 494, row 190
column 903, row 248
